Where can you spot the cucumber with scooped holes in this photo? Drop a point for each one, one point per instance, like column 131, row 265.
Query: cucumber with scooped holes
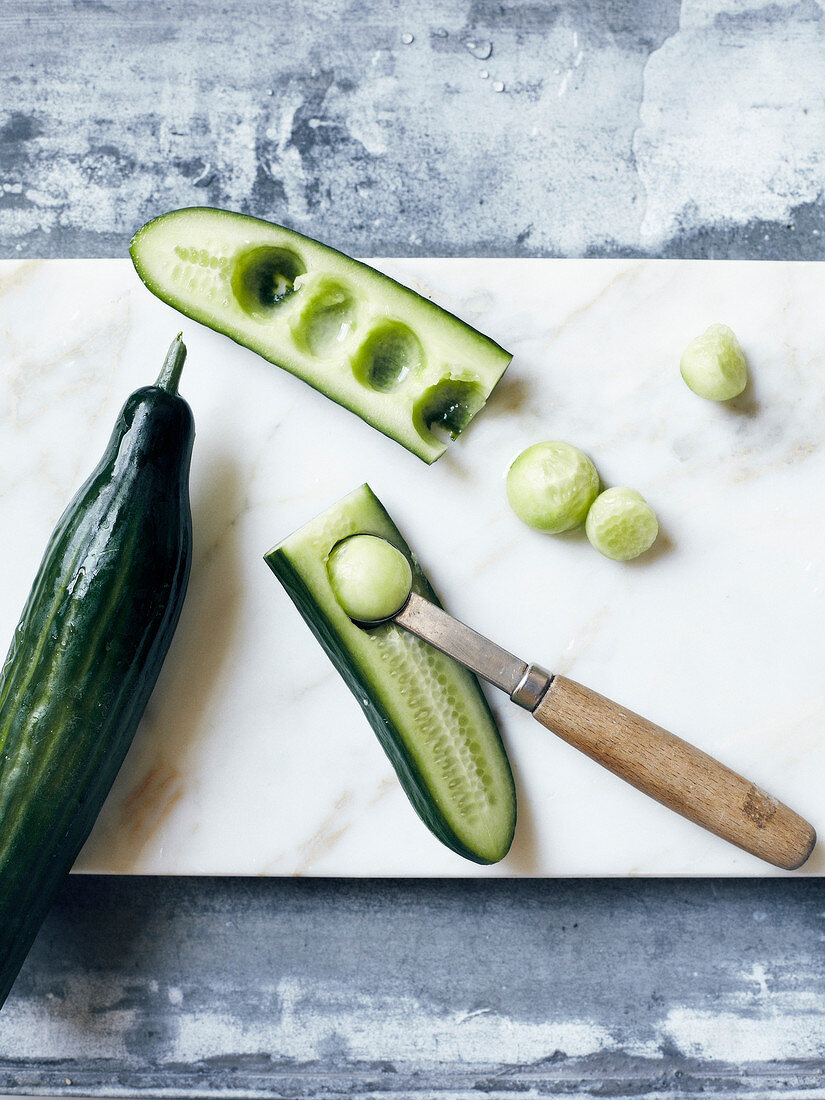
column 410, row 369
column 428, row 712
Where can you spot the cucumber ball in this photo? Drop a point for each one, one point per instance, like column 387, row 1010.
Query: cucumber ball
column 370, row 578
column 621, row 524
column 714, row 365
column 551, row 486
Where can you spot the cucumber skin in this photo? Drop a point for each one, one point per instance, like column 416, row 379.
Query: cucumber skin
column 86, row 655
column 411, row 780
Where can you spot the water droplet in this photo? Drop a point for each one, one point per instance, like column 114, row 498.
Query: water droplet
column 407, row 39
column 498, row 86
column 480, row 49
column 484, row 74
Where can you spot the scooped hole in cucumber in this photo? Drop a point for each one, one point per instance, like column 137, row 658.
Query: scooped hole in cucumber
column 264, row 277
column 445, row 409
column 327, row 320
column 387, row 357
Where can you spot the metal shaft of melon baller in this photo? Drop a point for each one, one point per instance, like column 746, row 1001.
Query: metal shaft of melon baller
column 675, row 773
column 525, row 684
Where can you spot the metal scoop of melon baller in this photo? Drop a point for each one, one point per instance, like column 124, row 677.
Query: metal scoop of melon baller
column 675, row 773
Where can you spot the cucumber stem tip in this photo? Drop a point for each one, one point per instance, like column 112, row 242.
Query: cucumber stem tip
column 172, row 366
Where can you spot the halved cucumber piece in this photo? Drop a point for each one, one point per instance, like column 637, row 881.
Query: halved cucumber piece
column 409, row 368
column 428, row 711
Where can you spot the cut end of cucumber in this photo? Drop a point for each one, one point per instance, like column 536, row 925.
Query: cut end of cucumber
column 410, row 369
column 428, row 712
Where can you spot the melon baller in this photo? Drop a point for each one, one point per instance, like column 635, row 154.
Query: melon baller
column 661, row 765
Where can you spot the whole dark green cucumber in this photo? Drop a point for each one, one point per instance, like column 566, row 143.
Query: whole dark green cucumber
column 88, row 649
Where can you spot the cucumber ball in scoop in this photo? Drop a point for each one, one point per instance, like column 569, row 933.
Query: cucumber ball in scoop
column 370, row 578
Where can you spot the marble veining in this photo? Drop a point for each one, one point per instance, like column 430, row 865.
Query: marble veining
column 253, row 758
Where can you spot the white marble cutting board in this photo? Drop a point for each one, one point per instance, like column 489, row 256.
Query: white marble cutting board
column 253, row 757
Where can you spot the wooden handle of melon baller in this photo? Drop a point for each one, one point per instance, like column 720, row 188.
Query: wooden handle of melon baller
column 676, row 774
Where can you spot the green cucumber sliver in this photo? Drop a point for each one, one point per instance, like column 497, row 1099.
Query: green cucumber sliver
column 406, row 366
column 428, row 712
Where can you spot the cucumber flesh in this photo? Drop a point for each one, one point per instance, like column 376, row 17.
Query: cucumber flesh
column 409, row 368
column 370, row 577
column 428, row 712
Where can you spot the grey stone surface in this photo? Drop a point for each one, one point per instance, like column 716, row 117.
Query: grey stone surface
column 622, row 127
column 444, row 989
column 625, row 127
